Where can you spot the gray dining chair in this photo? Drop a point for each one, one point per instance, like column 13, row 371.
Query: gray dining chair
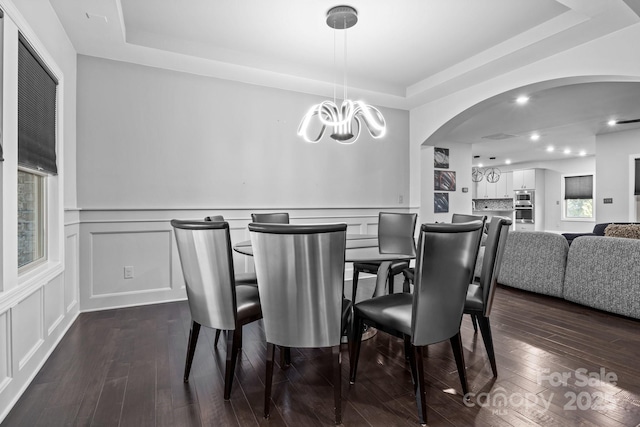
column 271, row 218
column 479, row 300
column 456, row 218
column 433, row 312
column 248, row 278
column 215, row 301
column 301, row 280
column 390, row 224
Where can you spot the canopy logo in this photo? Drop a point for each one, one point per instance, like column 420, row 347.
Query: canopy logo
column 498, row 400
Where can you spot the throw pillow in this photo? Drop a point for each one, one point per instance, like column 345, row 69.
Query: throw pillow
column 629, row 231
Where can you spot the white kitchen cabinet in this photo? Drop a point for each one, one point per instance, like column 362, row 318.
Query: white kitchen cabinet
column 504, row 187
column 524, row 179
column 490, row 190
column 525, row 227
column 481, row 189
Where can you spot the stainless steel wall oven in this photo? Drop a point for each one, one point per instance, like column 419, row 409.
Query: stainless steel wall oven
column 524, row 205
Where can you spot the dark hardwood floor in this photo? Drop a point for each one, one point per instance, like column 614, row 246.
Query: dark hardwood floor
column 124, row 367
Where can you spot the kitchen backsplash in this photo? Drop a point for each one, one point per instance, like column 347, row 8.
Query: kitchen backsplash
column 493, row 204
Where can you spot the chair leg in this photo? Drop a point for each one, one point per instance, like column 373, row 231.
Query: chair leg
column 347, row 330
column 420, row 387
column 233, row 343
column 191, row 348
column 358, row 325
column 285, row 357
column 406, row 285
column 215, row 342
column 271, row 349
column 456, row 346
column 485, row 330
column 407, row 348
column 354, row 284
column 337, row 383
column 474, row 322
column 411, row 357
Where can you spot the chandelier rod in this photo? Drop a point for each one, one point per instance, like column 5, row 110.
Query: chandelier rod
column 345, row 58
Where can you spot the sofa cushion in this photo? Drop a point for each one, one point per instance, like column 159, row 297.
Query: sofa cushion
column 629, row 231
column 534, row 261
column 572, row 236
column 598, row 229
column 604, row 273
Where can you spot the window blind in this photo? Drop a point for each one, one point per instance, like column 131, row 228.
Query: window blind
column 36, row 111
column 637, row 186
column 578, row 187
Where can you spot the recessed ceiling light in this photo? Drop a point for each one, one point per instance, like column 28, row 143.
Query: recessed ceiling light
column 507, row 162
column 522, row 99
column 612, row 122
column 535, row 136
column 567, row 151
column 583, row 153
column 476, row 157
column 550, row 148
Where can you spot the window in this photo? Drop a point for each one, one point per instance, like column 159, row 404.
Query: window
column 36, row 151
column 578, row 197
column 636, row 190
column 31, row 215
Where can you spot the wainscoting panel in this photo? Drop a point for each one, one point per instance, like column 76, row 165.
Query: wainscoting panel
column 53, row 304
column 111, row 239
column 147, row 253
column 27, row 327
column 71, row 270
column 5, row 351
column 35, row 317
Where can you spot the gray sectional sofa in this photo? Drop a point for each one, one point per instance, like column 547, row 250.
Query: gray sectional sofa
column 599, row 272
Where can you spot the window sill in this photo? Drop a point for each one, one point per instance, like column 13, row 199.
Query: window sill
column 29, row 283
column 42, row 272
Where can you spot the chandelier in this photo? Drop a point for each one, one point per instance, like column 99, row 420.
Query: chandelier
column 492, row 174
column 341, row 119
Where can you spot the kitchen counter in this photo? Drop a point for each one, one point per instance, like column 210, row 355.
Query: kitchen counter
column 479, row 210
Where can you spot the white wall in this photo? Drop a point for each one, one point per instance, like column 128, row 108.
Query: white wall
column 553, row 198
column 155, row 144
column 37, row 308
column 460, row 163
column 156, row 138
column 615, row 175
column 604, row 59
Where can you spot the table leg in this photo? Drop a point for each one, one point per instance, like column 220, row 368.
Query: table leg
column 381, row 279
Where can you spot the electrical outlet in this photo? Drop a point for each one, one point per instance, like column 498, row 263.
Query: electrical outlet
column 400, row 199
column 128, row 272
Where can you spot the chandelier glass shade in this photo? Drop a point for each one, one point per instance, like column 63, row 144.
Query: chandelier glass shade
column 347, row 120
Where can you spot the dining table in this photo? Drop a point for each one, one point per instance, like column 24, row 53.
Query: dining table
column 366, row 248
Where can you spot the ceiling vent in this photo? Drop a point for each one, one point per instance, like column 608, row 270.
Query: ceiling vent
column 499, row 136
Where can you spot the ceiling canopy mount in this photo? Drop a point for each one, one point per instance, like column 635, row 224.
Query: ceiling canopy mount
column 342, row 17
